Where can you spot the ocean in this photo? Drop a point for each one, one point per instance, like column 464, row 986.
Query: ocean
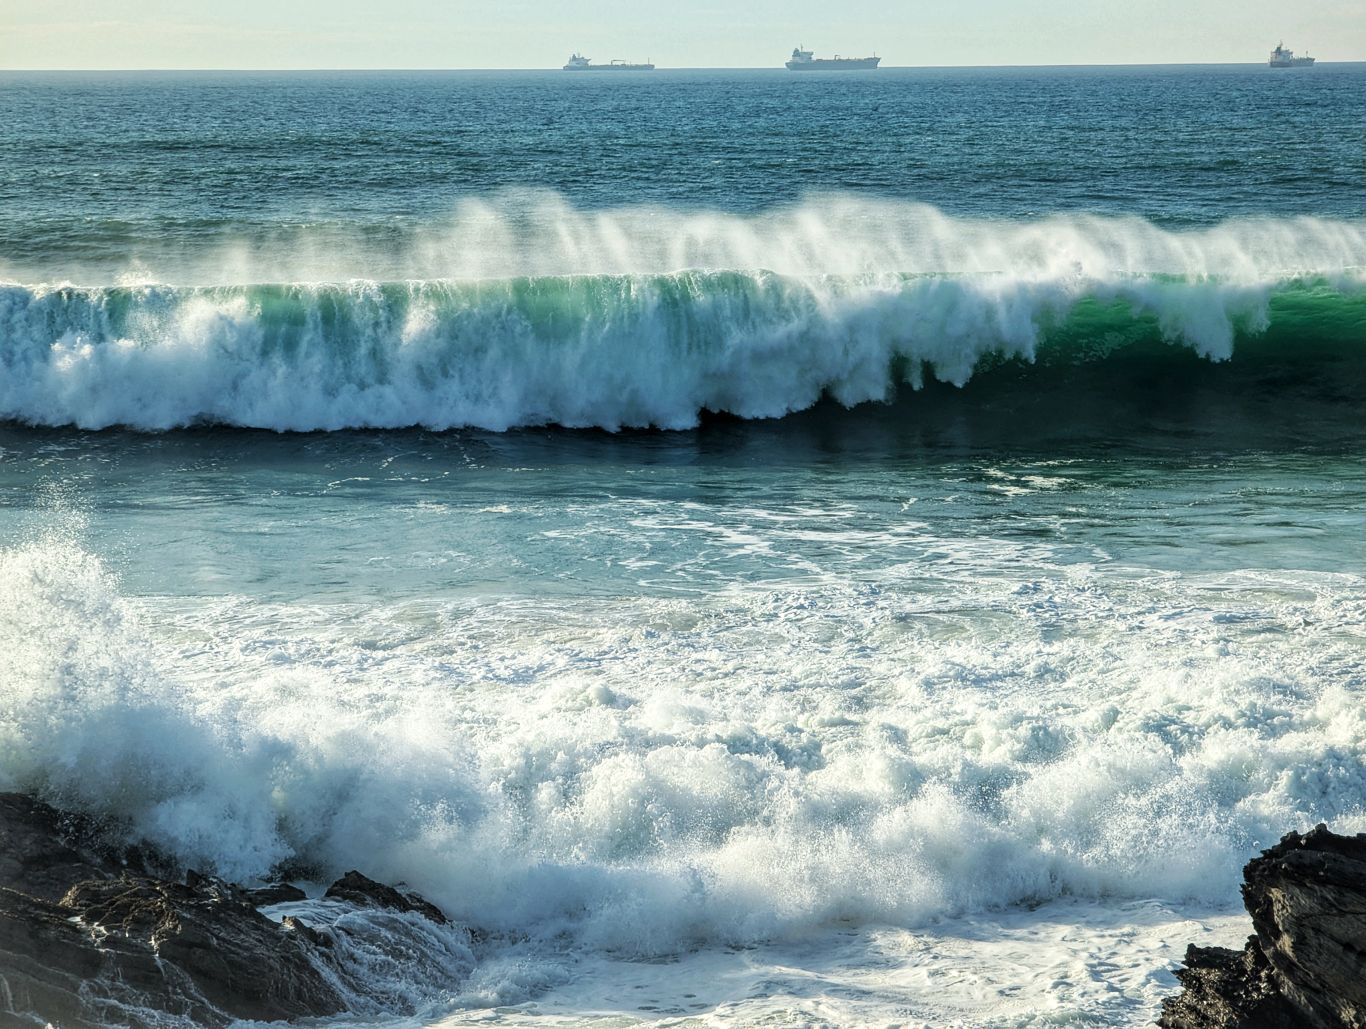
column 853, row 549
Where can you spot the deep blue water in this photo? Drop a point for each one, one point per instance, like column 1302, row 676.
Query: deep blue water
column 98, row 163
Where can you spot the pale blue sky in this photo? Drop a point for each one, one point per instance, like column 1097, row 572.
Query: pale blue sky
column 672, row 33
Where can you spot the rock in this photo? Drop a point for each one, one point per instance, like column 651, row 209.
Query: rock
column 1306, row 965
column 359, row 889
column 212, row 886
column 275, row 893
column 44, row 962
column 298, row 925
column 141, row 942
column 88, row 938
column 44, row 852
column 239, row 961
column 1307, row 898
column 93, row 933
column 1227, row 989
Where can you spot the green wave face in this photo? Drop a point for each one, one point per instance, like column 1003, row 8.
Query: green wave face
column 1299, row 314
column 616, row 350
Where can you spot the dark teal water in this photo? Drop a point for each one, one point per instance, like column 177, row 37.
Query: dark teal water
column 98, row 163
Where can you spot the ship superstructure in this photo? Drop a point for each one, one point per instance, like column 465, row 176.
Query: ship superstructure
column 804, row 60
column 580, row 63
column 1283, row 58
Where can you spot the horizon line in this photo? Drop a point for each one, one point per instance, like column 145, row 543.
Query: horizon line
column 735, row 67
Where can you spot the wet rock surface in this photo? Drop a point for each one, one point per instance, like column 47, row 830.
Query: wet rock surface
column 1228, row 988
column 89, row 936
column 276, row 893
column 358, row 889
column 43, row 851
column 1306, row 964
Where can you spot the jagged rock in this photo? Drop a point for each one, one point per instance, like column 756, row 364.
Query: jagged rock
column 212, row 886
column 44, row 852
column 359, row 889
column 84, row 941
column 1306, row 966
column 299, row 926
column 275, row 893
column 1228, row 989
column 93, row 934
column 239, row 961
column 136, row 942
column 1307, row 898
column 44, row 961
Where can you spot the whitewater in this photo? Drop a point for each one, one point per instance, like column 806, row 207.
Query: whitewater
column 525, row 311
column 821, row 723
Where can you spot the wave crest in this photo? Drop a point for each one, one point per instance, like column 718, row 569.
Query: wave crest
column 595, row 329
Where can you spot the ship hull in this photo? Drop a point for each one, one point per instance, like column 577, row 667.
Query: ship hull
column 1298, row 62
column 610, row 67
column 835, row 64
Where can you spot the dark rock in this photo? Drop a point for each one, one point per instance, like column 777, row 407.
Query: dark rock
column 212, row 886
column 1307, row 898
column 359, row 889
column 138, row 942
column 1227, row 989
column 93, row 933
column 84, row 941
column 44, row 852
column 298, row 925
column 1306, row 965
column 239, row 961
column 44, row 962
column 275, row 893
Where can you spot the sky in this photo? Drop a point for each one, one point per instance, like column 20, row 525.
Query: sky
column 88, row 34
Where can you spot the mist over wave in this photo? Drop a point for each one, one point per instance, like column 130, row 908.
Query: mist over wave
column 529, row 312
column 534, row 233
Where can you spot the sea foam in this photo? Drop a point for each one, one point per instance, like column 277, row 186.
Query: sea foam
column 659, row 800
column 529, row 312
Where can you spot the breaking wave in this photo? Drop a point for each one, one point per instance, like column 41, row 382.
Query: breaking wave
column 647, row 817
column 581, row 319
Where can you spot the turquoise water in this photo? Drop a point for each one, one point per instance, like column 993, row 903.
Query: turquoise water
column 885, row 549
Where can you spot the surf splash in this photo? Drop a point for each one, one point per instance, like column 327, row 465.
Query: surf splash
column 540, row 314
column 643, row 817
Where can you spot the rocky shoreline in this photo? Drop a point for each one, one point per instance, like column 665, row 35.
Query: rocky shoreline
column 1305, row 965
column 93, row 934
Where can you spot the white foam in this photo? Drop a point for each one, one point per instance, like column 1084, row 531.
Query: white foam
column 386, row 963
column 1066, row 963
column 527, row 311
column 631, row 778
column 694, row 787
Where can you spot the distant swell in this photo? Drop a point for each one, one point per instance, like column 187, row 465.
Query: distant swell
column 657, row 348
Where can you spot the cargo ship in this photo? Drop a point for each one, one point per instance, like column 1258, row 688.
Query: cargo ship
column 580, row 63
column 803, row 60
column 1283, row 58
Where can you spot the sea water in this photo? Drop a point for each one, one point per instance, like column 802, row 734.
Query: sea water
column 863, row 549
